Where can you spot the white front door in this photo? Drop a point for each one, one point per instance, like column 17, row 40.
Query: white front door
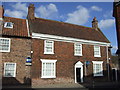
column 78, row 72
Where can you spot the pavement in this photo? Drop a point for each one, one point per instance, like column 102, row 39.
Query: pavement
column 102, row 85
column 59, row 85
column 84, row 86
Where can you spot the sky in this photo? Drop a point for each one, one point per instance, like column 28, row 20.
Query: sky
column 80, row 13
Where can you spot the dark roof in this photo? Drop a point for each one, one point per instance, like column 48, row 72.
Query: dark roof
column 44, row 26
column 19, row 27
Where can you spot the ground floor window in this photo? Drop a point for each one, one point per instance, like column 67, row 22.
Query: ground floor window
column 97, row 68
column 48, row 68
column 9, row 69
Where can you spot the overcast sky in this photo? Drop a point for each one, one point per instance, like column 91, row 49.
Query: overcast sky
column 80, row 13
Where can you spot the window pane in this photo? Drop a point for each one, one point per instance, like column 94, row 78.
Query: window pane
column 43, row 69
column 48, row 69
column 52, row 69
column 96, row 52
column 9, row 24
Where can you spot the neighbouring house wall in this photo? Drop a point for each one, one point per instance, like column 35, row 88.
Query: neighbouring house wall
column 116, row 14
column 20, row 49
column 64, row 54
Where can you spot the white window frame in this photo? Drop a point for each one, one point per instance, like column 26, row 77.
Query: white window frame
column 94, row 68
column 5, row 25
column 48, row 61
column 75, row 49
column 45, row 50
column 14, row 69
column 8, row 47
column 99, row 51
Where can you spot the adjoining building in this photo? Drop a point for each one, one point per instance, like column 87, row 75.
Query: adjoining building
column 116, row 14
column 15, row 46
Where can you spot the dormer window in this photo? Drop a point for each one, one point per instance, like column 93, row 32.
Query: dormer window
column 8, row 25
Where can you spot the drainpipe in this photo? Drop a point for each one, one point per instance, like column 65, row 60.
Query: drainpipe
column 108, row 63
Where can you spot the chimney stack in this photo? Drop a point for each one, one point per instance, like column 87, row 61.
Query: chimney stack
column 31, row 12
column 1, row 12
column 95, row 23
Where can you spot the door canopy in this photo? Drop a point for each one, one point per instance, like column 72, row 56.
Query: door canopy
column 79, row 63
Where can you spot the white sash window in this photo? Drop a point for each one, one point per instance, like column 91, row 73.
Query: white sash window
column 4, row 45
column 97, row 51
column 48, row 68
column 48, row 47
column 98, row 68
column 78, row 49
column 9, row 69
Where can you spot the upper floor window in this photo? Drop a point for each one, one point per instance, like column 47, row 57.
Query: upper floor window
column 97, row 51
column 8, row 25
column 48, row 47
column 98, row 68
column 78, row 49
column 48, row 69
column 9, row 69
column 4, row 45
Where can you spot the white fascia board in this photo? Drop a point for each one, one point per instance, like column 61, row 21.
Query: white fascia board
column 67, row 39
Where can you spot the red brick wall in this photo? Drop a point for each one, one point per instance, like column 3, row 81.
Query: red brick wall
column 64, row 54
column 118, row 25
column 19, row 51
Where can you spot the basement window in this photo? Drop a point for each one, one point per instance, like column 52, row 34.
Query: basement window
column 8, row 25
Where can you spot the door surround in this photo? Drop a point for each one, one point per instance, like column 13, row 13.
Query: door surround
column 79, row 65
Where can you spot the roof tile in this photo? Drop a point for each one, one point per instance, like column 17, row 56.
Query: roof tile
column 44, row 26
column 19, row 27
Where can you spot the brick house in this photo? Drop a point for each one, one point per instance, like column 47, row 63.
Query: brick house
column 15, row 47
column 67, row 53
column 60, row 52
